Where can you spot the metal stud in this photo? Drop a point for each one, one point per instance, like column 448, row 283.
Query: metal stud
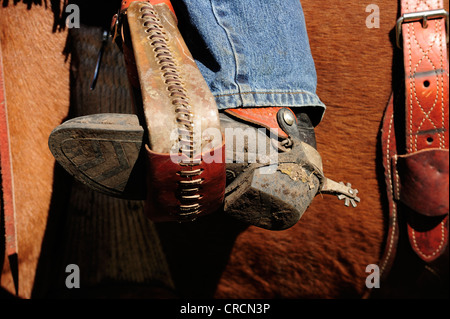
column 288, row 118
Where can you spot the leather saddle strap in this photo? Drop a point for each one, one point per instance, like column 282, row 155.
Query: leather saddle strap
column 426, row 78
column 416, row 158
column 7, row 187
column 426, row 125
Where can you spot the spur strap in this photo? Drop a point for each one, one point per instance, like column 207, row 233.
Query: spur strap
column 415, row 138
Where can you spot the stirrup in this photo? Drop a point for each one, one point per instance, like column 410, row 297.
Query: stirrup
column 104, row 151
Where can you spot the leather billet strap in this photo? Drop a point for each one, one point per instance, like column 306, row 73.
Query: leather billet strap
column 176, row 107
column 416, row 159
column 426, row 79
column 426, row 124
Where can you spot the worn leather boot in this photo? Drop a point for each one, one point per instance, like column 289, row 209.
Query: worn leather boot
column 273, row 170
column 270, row 179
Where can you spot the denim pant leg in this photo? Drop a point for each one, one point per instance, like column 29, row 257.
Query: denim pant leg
column 253, row 53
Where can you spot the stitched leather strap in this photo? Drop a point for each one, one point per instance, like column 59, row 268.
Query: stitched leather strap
column 426, row 79
column 416, row 159
column 264, row 116
column 388, row 146
column 426, row 121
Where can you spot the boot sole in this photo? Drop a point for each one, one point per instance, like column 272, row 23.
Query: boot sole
column 104, row 152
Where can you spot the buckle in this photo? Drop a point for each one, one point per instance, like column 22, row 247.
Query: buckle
column 423, row 16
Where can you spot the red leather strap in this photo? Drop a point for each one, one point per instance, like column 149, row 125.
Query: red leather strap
column 417, row 176
column 426, row 121
column 264, row 116
column 7, row 191
column 426, row 79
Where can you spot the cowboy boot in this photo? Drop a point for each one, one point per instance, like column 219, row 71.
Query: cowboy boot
column 272, row 175
column 105, row 151
column 272, row 169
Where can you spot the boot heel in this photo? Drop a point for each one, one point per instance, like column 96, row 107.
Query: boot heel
column 268, row 198
column 102, row 151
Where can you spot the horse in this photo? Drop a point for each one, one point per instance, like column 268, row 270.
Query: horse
column 48, row 68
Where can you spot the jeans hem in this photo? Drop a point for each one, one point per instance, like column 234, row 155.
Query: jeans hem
column 266, row 99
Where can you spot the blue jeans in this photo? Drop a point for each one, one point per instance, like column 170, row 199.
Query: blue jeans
column 253, row 53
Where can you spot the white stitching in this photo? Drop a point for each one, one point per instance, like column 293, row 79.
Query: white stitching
column 397, row 178
column 394, row 206
column 410, row 88
column 441, row 77
column 412, row 76
column 437, row 249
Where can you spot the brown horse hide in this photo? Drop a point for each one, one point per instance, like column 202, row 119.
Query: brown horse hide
column 120, row 253
column 37, row 93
